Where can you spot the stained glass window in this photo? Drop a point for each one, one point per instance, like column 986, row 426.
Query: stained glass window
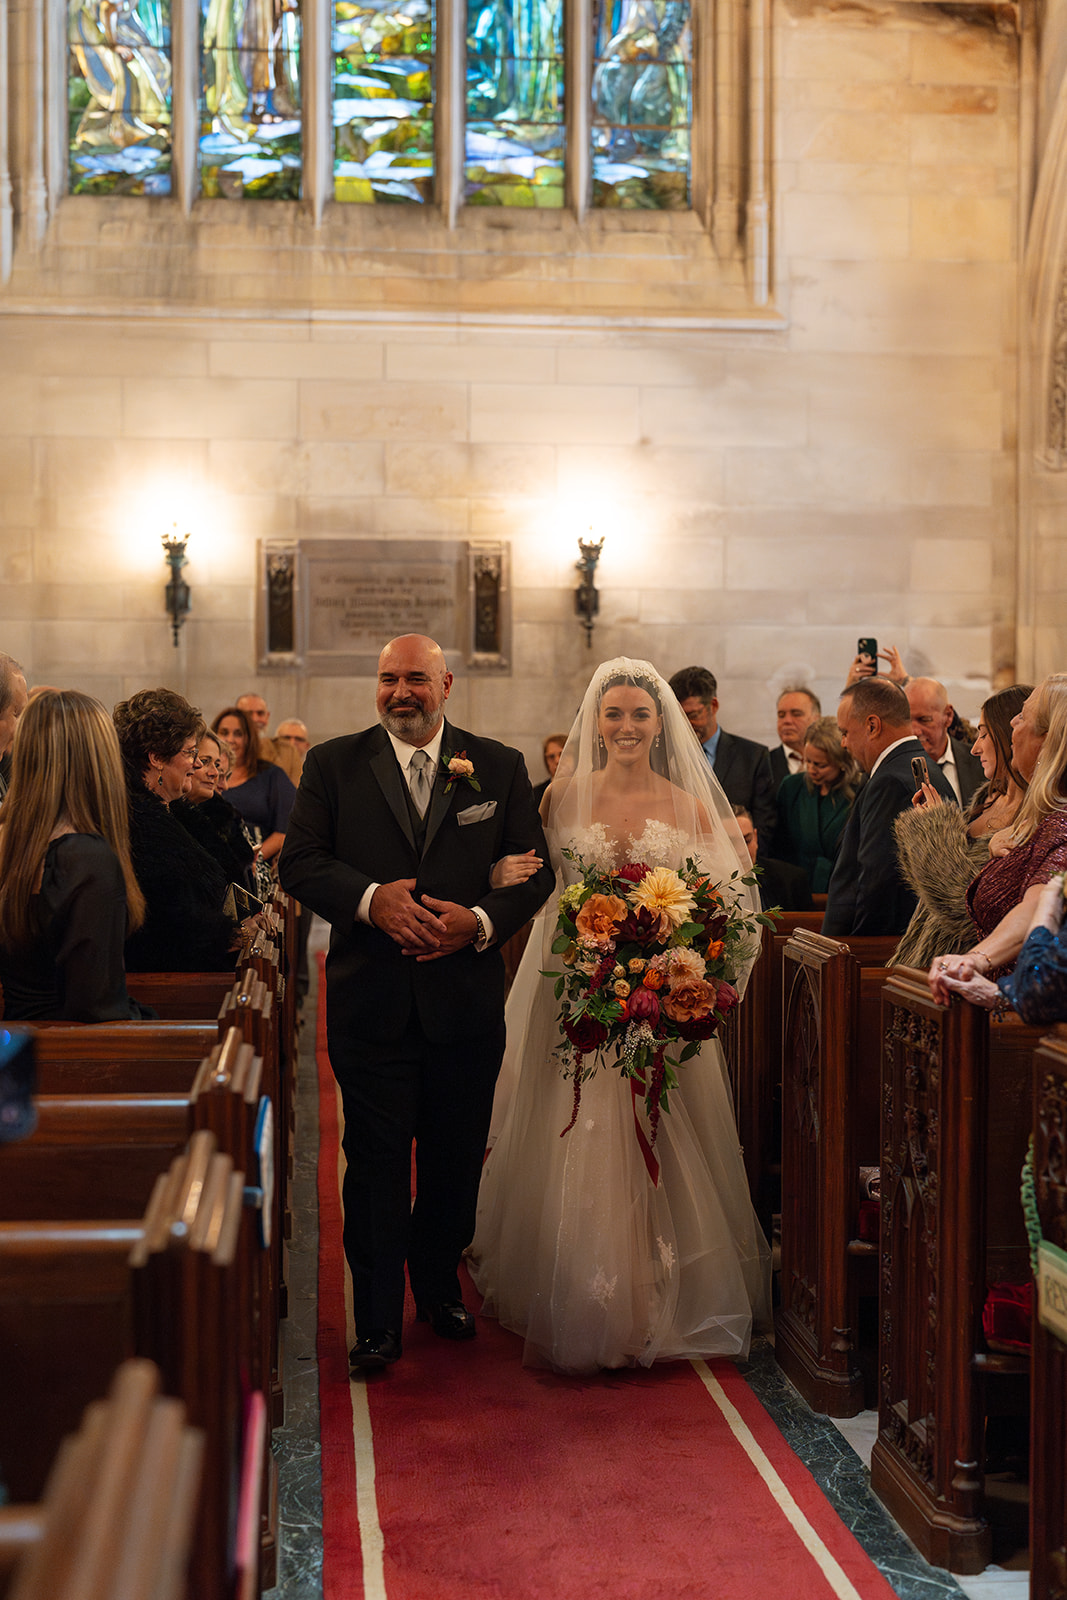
column 514, row 151
column 118, row 96
column 383, row 100
column 250, row 129
column 642, row 104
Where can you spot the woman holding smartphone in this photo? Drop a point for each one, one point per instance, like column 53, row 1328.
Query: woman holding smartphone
column 942, row 849
column 1004, row 896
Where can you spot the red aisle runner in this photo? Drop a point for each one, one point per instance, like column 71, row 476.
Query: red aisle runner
column 459, row 1474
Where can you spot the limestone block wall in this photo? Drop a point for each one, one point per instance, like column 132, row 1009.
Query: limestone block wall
column 770, row 486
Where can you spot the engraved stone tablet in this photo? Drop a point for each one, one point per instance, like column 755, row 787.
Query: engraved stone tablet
column 350, row 596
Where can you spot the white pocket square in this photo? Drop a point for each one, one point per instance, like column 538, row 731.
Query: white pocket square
column 480, row 813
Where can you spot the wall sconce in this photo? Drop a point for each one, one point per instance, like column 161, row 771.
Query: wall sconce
column 178, row 600
column 586, row 598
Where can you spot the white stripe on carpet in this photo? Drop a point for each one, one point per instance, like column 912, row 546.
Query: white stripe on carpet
column 830, row 1568
column 371, row 1539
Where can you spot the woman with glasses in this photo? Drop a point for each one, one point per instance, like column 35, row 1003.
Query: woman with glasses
column 209, row 817
column 185, row 927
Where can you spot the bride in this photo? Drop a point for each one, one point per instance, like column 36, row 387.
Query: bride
column 575, row 1247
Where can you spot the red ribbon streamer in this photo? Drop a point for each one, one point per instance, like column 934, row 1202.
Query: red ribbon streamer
column 646, row 1149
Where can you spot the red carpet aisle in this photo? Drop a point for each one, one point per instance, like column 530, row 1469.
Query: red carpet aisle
column 459, row 1474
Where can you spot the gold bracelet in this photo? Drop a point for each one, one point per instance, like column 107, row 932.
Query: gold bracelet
column 988, row 964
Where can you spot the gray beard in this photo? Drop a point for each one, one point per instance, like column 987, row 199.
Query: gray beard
column 413, row 728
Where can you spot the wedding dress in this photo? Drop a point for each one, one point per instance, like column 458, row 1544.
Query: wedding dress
column 576, row 1248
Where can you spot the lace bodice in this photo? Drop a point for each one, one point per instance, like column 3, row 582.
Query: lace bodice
column 659, row 845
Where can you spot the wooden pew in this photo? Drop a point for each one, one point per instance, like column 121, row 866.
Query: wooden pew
column 194, row 1295
column 181, row 996
column 831, row 1046
column 250, row 1008
column 116, row 1516
column 120, row 1057
column 98, row 1151
column 99, row 1156
column 955, row 1121
column 1048, row 1357
column 78, row 1298
column 751, row 1042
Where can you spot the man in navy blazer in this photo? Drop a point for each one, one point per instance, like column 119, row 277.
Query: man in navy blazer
column 867, row 894
column 742, row 766
column 392, row 839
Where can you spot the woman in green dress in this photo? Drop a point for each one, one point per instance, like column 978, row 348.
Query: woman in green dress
column 813, row 807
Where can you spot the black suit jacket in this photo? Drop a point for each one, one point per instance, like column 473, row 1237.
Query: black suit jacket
column 867, row 893
column 351, row 827
column 779, row 766
column 743, row 767
column 783, row 884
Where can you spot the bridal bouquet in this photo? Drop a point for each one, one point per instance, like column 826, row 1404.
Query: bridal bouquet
column 649, row 957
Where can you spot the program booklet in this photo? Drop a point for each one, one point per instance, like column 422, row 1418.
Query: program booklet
column 239, row 904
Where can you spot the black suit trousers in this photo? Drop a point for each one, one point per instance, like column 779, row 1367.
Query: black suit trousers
column 440, row 1096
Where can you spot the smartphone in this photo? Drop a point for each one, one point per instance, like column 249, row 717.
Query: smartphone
column 867, row 650
column 919, row 771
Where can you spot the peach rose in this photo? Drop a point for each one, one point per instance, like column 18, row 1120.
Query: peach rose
column 620, row 988
column 653, row 978
column 689, row 1001
column 714, row 950
column 599, row 917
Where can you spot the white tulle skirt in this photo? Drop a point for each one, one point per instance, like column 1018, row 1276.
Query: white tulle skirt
column 575, row 1248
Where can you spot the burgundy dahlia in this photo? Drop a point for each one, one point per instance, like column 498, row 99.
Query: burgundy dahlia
column 585, row 1033
column 633, row 871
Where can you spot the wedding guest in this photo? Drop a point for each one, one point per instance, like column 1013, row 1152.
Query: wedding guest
column 185, row 928
column 814, row 807
column 257, row 711
column 797, row 708
column 551, row 750
column 1036, row 987
column 210, row 819
column 781, row 884
column 931, row 719
column 866, row 893
column 942, row 849
column 257, row 788
column 291, row 745
column 1002, row 898
column 742, row 766
column 68, row 893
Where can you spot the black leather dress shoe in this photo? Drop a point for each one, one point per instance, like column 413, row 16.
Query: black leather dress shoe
column 378, row 1349
column 449, row 1320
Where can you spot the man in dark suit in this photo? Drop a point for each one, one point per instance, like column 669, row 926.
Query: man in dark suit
column 797, row 709
column 741, row 765
column 931, row 717
column 392, row 840
column 867, row 893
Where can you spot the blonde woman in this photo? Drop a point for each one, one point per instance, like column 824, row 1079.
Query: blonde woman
column 813, row 806
column 1004, row 895
column 68, row 894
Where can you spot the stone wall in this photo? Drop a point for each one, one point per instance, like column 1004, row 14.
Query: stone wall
column 771, row 485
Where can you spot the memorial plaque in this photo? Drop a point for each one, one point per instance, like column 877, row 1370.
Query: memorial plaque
column 342, row 599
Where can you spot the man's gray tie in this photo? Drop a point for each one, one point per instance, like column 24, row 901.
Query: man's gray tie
column 419, row 779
